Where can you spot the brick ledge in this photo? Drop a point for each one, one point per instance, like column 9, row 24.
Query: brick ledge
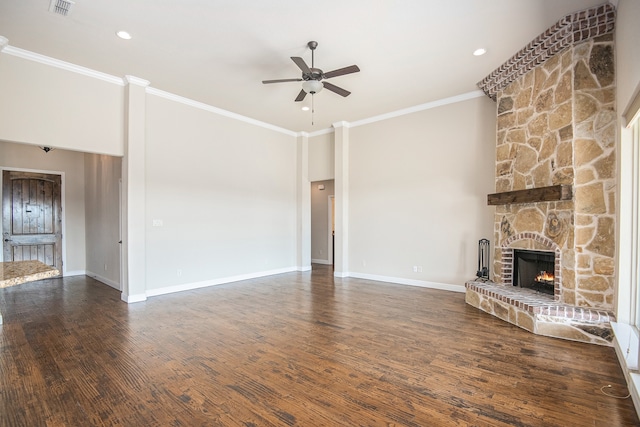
column 537, row 303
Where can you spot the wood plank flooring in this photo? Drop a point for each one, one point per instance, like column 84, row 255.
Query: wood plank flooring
column 297, row 349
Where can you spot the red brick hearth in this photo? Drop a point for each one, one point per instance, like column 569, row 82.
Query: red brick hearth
column 538, row 303
column 539, row 313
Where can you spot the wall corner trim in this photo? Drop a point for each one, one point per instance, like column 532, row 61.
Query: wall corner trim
column 4, row 42
column 130, row 299
column 341, row 124
column 132, row 80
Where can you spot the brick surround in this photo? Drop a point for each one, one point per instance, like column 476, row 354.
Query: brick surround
column 571, row 29
column 507, row 259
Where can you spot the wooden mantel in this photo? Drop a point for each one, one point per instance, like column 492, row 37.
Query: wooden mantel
column 531, row 195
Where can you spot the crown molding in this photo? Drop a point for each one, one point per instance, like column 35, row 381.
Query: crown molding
column 21, row 53
column 46, row 60
column 403, row 112
column 421, row 107
column 216, row 110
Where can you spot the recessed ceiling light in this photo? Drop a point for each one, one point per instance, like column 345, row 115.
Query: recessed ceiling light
column 479, row 52
column 305, row 108
column 123, row 35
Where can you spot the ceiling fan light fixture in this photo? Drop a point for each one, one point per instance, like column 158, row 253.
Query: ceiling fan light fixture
column 312, row 86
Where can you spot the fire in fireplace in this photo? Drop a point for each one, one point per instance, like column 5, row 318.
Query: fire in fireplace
column 534, row 270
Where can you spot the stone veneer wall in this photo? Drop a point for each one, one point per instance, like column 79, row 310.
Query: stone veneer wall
column 556, row 125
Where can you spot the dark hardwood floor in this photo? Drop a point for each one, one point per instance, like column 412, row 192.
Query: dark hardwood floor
column 297, row 349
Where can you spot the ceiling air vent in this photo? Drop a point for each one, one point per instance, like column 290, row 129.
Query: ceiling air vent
column 61, row 7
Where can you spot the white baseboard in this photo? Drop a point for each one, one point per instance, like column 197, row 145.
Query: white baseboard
column 130, row 299
column 626, row 343
column 114, row 285
column 74, row 273
column 409, row 282
column 321, row 261
column 634, row 389
column 215, row 282
column 305, row 268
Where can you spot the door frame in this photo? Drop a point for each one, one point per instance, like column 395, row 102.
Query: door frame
column 62, row 206
column 330, row 231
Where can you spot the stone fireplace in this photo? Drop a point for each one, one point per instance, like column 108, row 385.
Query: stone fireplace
column 556, row 128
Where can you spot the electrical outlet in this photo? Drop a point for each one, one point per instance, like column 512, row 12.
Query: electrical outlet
column 105, row 267
column 419, row 269
column 415, row 268
column 178, row 272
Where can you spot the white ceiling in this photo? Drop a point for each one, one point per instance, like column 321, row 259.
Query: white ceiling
column 410, row 52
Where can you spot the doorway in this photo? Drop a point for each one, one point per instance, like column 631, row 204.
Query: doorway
column 322, row 222
column 32, row 217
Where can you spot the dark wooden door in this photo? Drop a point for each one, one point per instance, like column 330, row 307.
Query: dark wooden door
column 32, row 217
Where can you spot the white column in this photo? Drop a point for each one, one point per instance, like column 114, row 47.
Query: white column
column 341, row 254
column 303, row 200
column 133, row 193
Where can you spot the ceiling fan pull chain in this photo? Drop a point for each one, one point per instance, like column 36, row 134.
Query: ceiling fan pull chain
column 313, row 108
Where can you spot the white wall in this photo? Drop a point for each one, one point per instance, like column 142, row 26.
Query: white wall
column 225, row 192
column 321, row 157
column 29, row 157
column 627, row 52
column 628, row 84
column 626, row 341
column 102, row 208
column 45, row 105
column 418, row 193
column 320, row 227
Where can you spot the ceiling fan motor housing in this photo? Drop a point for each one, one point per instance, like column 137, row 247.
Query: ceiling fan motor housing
column 315, row 74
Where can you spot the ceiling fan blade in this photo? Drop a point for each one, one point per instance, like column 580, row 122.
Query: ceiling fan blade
column 281, row 81
column 301, row 95
column 342, row 71
column 336, row 89
column 301, row 64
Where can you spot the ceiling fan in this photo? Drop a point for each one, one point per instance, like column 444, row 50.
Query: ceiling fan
column 312, row 77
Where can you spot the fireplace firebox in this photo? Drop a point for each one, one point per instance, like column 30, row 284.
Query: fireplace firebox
column 534, row 270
